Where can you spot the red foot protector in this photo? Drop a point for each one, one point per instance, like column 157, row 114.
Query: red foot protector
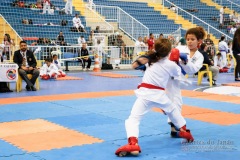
column 131, row 148
column 186, row 134
column 128, row 149
column 45, row 77
column 53, row 75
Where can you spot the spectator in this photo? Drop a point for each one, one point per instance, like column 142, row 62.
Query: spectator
column 68, row 7
column 223, row 48
column 214, row 69
column 151, row 42
column 81, row 40
column 85, row 57
column 209, row 43
column 221, row 16
column 1, row 52
column 145, row 40
column 97, row 29
column 120, row 43
column 236, row 53
column 27, row 65
column 99, row 51
column 230, row 47
column 160, row 36
column 46, row 6
column 183, row 46
column 39, row 4
column 173, row 8
column 90, row 3
column 77, row 24
column 233, row 17
column 218, row 61
column 139, row 46
column 90, row 39
column 8, row 42
column 233, row 29
column 192, row 10
column 172, row 40
column 60, row 39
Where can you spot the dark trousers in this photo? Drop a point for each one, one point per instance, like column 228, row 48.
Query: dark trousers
column 7, row 56
column 89, row 61
column 30, row 82
column 237, row 69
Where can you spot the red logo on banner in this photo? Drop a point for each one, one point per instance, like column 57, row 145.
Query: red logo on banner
column 11, row 74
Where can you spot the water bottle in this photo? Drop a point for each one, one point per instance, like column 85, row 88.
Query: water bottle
column 4, row 58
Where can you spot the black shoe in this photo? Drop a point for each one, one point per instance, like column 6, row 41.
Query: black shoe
column 174, row 131
column 28, row 88
column 33, row 88
column 237, row 79
column 214, row 83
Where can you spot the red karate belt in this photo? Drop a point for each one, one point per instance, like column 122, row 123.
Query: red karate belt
column 150, row 86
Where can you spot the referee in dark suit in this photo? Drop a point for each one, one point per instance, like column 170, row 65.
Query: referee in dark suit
column 27, row 65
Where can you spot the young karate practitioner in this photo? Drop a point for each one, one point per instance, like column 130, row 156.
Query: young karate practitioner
column 68, row 7
column 48, row 70
column 191, row 62
column 57, row 63
column 151, row 92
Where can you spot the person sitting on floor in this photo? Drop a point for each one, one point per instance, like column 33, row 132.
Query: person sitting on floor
column 58, row 65
column 48, row 70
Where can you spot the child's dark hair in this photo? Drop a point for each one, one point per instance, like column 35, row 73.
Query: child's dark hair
column 48, row 60
column 203, row 45
column 54, row 56
column 162, row 49
column 197, row 31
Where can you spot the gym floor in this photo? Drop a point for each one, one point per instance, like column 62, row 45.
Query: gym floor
column 84, row 118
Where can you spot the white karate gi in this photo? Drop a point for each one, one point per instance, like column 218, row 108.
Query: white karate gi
column 68, row 7
column 45, row 70
column 223, row 48
column 173, row 89
column 77, row 22
column 158, row 74
column 58, row 65
column 46, row 6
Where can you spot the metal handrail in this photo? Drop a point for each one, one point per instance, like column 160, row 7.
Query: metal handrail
column 209, row 26
column 229, row 2
column 10, row 27
column 118, row 10
column 101, row 18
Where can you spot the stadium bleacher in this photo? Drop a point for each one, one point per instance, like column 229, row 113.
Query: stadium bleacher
column 14, row 16
column 205, row 13
column 156, row 22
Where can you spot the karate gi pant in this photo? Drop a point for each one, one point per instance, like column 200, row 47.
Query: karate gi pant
column 68, row 8
column 173, row 92
column 142, row 106
column 221, row 19
column 46, row 7
column 78, row 25
column 49, row 73
column 224, row 58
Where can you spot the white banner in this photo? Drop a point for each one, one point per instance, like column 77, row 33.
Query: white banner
column 8, row 72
